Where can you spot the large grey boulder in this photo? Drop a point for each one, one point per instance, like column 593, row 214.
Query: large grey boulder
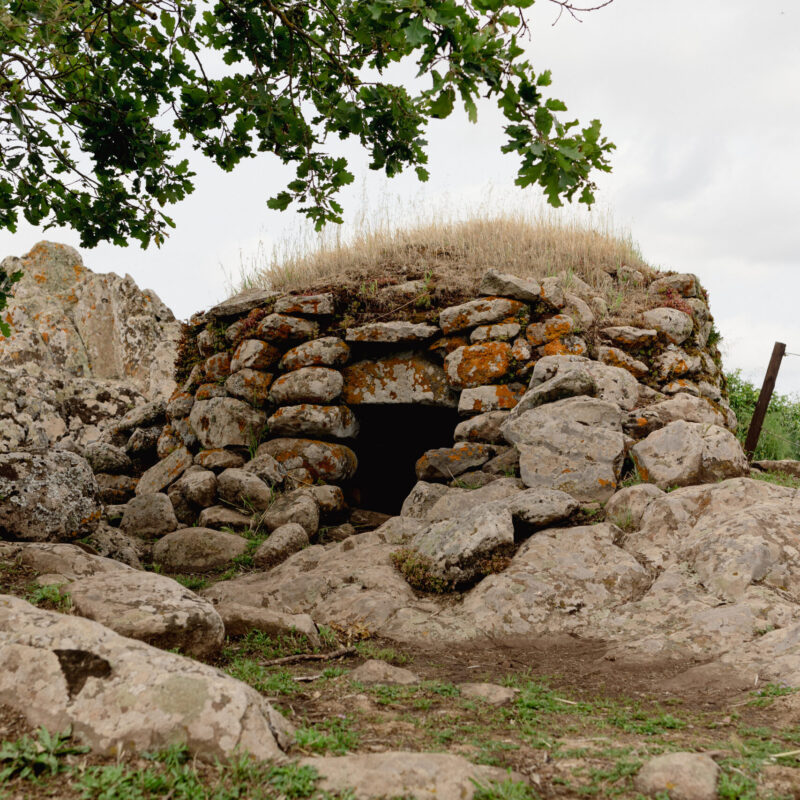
column 684, row 453
column 226, row 422
column 298, row 506
column 48, row 497
column 455, row 502
column 164, row 472
column 282, row 542
column 314, row 420
column 149, row 607
column 574, row 445
column 148, row 516
column 65, row 560
column 242, row 619
column 243, row 489
column 197, row 549
column 643, row 421
column 459, row 550
column 118, row 694
column 504, row 284
column 307, row 385
column 681, row 776
column 676, row 326
column 613, row 384
column 104, row 457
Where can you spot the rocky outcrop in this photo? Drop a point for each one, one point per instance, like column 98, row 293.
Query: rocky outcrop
column 84, row 348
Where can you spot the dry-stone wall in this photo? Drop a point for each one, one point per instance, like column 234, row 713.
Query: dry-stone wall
column 297, row 390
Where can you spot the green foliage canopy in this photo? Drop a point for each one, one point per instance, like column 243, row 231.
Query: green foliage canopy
column 97, row 95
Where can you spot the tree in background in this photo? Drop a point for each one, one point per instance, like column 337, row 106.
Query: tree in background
column 96, row 95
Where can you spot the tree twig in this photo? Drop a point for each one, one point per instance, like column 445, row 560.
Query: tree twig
column 343, row 651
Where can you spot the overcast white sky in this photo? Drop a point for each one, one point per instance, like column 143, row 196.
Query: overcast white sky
column 703, row 102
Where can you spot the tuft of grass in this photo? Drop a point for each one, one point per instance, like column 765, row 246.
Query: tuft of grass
column 388, row 654
column 334, row 736
column 33, row 759
column 417, row 570
column 49, row 597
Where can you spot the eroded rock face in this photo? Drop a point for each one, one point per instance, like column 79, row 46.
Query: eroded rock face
column 225, row 422
column 64, row 671
column 49, row 497
column 75, row 322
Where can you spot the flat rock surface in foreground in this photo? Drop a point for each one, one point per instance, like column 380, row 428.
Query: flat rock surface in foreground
column 119, row 695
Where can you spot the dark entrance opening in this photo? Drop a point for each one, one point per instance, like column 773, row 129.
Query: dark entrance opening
column 390, row 440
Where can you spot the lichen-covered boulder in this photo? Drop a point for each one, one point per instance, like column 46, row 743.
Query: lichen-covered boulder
column 249, row 385
column 391, row 332
column 312, row 420
column 445, row 463
column 676, row 326
column 298, row 506
column 483, row 399
column 478, row 312
column 148, row 516
column 327, row 351
column 197, row 549
column 307, row 385
column 49, row 497
column 164, row 472
column 404, row 378
column 149, row 607
column 226, row 422
column 325, row 461
column 117, row 694
column 478, row 364
column 238, row 487
column 574, row 445
column 684, row 453
column 503, row 284
column 254, row 354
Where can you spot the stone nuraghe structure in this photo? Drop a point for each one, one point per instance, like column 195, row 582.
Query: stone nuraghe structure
column 428, row 463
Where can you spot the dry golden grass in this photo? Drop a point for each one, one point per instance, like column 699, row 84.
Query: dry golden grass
column 455, row 251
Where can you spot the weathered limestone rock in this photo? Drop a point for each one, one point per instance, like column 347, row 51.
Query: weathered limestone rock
column 238, row 487
column 241, row 303
column 267, row 469
column 424, row 776
column 478, row 364
column 483, row 399
column 310, row 419
column 149, row 515
column 48, row 497
column 283, row 328
column 149, row 607
column 218, row 459
column 64, row 672
column 375, row 671
column 390, row 332
column 489, row 693
column 455, row 502
column 643, row 421
column 684, row 453
column 578, row 309
column 115, row 489
column 787, row 466
column 539, row 333
column 460, row 549
column 104, row 457
column 445, row 463
column 249, row 385
column 224, row 517
column 283, row 541
column 314, row 305
column 422, row 498
column 307, row 385
column 569, row 345
column 628, row 336
column 330, row 500
column 225, row 422
column 66, row 560
column 674, row 325
column 477, row 312
column 328, row 351
column 240, row 620
column 325, row 461
column 682, row 776
column 73, row 322
column 298, row 506
column 615, row 357
column 254, row 354
column 114, row 544
column 482, row 428
column 501, row 332
column 503, row 284
column 405, row 378
column 164, row 472
column 627, row 506
column 143, row 416
column 614, row 384
column 208, row 390
column 197, row 550
column 574, row 445
column 217, row 367
column 675, row 363
column 566, row 383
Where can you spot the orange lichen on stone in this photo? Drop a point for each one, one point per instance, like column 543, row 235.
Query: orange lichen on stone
column 489, row 398
column 478, row 312
column 572, row 346
column 396, row 380
column 447, row 344
column 556, row 327
column 478, row 364
column 218, row 366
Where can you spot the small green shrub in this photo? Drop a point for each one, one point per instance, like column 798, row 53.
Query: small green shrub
column 417, row 570
column 31, row 759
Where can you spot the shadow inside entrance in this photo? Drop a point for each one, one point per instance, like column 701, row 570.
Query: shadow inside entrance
column 390, row 440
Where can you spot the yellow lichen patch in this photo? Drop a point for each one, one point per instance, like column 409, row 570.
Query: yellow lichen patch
column 572, row 346
column 556, row 327
column 478, row 364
